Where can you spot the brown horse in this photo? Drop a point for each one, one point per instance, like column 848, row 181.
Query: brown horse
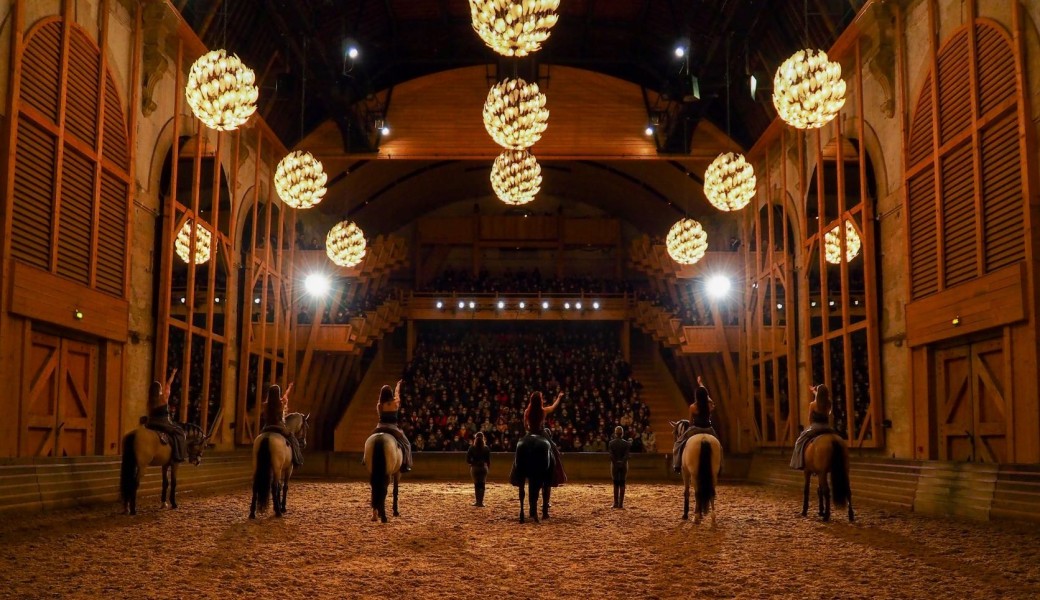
column 701, row 461
column 272, row 465
column 142, row 447
column 828, row 454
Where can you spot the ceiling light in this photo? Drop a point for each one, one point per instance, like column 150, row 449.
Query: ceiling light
column 472, row 304
column 522, row 305
column 462, row 304
column 566, row 305
column 513, row 27
column 718, row 286
column 516, row 177
column 687, row 242
column 353, row 52
column 514, row 114
column 317, row 285
column 649, row 130
column 545, row 305
column 221, row 91
column 595, row 305
column 577, row 305
column 808, row 90
column 440, row 304
column 345, row 244
column 729, row 182
column 183, row 244
column 501, row 304
column 385, row 129
column 832, row 244
column 300, row 180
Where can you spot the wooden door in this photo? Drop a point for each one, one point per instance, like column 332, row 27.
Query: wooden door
column 970, row 402
column 59, row 401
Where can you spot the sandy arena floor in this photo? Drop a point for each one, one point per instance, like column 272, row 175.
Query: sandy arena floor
column 441, row 547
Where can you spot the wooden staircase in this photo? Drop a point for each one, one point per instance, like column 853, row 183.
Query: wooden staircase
column 360, row 417
column 660, row 393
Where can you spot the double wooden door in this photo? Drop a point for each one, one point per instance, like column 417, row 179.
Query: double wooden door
column 971, row 405
column 59, row 400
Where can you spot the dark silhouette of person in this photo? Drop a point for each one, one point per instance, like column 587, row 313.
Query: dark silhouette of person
column 619, row 451
column 478, row 457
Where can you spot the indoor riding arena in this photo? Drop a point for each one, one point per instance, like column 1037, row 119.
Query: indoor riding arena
column 520, row 299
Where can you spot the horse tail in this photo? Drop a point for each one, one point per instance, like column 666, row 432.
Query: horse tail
column 840, row 488
column 262, row 475
column 378, row 478
column 705, row 478
column 128, row 470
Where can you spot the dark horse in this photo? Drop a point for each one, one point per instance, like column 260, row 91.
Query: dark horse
column 143, row 447
column 535, row 464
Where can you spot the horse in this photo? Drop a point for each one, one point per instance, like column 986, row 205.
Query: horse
column 384, row 458
column 826, row 454
column 272, row 464
column 143, row 447
column 534, row 464
column 701, row 461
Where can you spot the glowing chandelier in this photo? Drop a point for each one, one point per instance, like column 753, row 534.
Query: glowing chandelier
column 203, row 241
column 729, row 182
column 221, row 91
column 345, row 244
column 514, row 114
column 832, row 244
column 687, row 242
column 516, row 177
column 513, row 27
column 808, row 90
column 300, row 180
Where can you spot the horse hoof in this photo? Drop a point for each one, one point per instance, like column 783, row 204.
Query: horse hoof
column 252, row 515
column 686, row 517
column 374, row 518
column 164, row 505
column 697, row 520
column 545, row 515
column 173, row 507
column 397, row 514
column 383, row 519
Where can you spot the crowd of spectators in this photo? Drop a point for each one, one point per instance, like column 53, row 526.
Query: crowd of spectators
column 522, row 281
column 461, row 381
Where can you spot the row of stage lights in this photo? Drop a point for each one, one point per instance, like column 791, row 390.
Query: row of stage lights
column 522, row 305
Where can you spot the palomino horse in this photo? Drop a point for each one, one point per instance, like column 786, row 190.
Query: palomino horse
column 272, row 465
column 701, row 461
column 534, row 463
column 142, row 447
column 828, row 454
column 384, row 459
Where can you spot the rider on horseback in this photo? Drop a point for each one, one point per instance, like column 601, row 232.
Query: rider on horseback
column 700, row 422
column 534, row 420
column 819, row 423
column 159, row 418
column 387, row 407
column 275, row 409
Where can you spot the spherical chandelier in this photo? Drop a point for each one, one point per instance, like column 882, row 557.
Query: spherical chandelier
column 832, row 244
column 203, row 241
column 513, row 27
column 687, row 242
column 808, row 90
column 514, row 114
column 345, row 244
column 516, row 177
column 221, row 91
column 729, row 182
column 300, row 180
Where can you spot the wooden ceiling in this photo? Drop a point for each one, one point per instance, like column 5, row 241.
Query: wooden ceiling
column 608, row 70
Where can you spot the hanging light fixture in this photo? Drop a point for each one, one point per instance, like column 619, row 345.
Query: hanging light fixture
column 729, row 182
column 514, row 114
column 203, row 241
column 345, row 244
column 832, row 244
column 516, row 177
column 808, row 90
column 221, row 91
column 300, row 180
column 687, row 242
column 513, row 27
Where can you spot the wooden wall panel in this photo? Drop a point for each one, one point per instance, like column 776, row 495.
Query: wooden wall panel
column 40, row 295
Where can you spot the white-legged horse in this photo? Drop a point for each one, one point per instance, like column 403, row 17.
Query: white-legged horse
column 701, row 461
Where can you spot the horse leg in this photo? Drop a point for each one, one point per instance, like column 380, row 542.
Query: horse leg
column 165, row 485
column 805, row 494
column 173, row 485
column 252, row 505
column 276, row 495
column 397, row 480
column 546, row 491
column 686, row 499
column 532, row 498
column 826, row 492
column 133, row 497
column 285, row 493
column 521, row 501
column 852, row 516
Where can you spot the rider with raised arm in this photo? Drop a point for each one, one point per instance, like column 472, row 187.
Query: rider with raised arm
column 700, row 422
column 159, row 418
column 534, row 421
column 275, row 408
column 387, row 407
column 819, row 423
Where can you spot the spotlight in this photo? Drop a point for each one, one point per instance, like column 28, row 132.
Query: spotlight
column 440, row 304
column 385, row 130
column 472, row 304
column 501, row 305
column 182, row 300
column 78, row 314
column 462, row 305
column 831, row 303
column 718, row 286
column 545, row 305
column 779, row 306
column 353, row 52
column 566, row 305
column 578, row 306
column 680, row 52
column 649, row 130
column 317, row 285
column 256, row 301
column 217, row 300
column 522, row 305
column 813, row 303
column 856, row 302
column 595, row 306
